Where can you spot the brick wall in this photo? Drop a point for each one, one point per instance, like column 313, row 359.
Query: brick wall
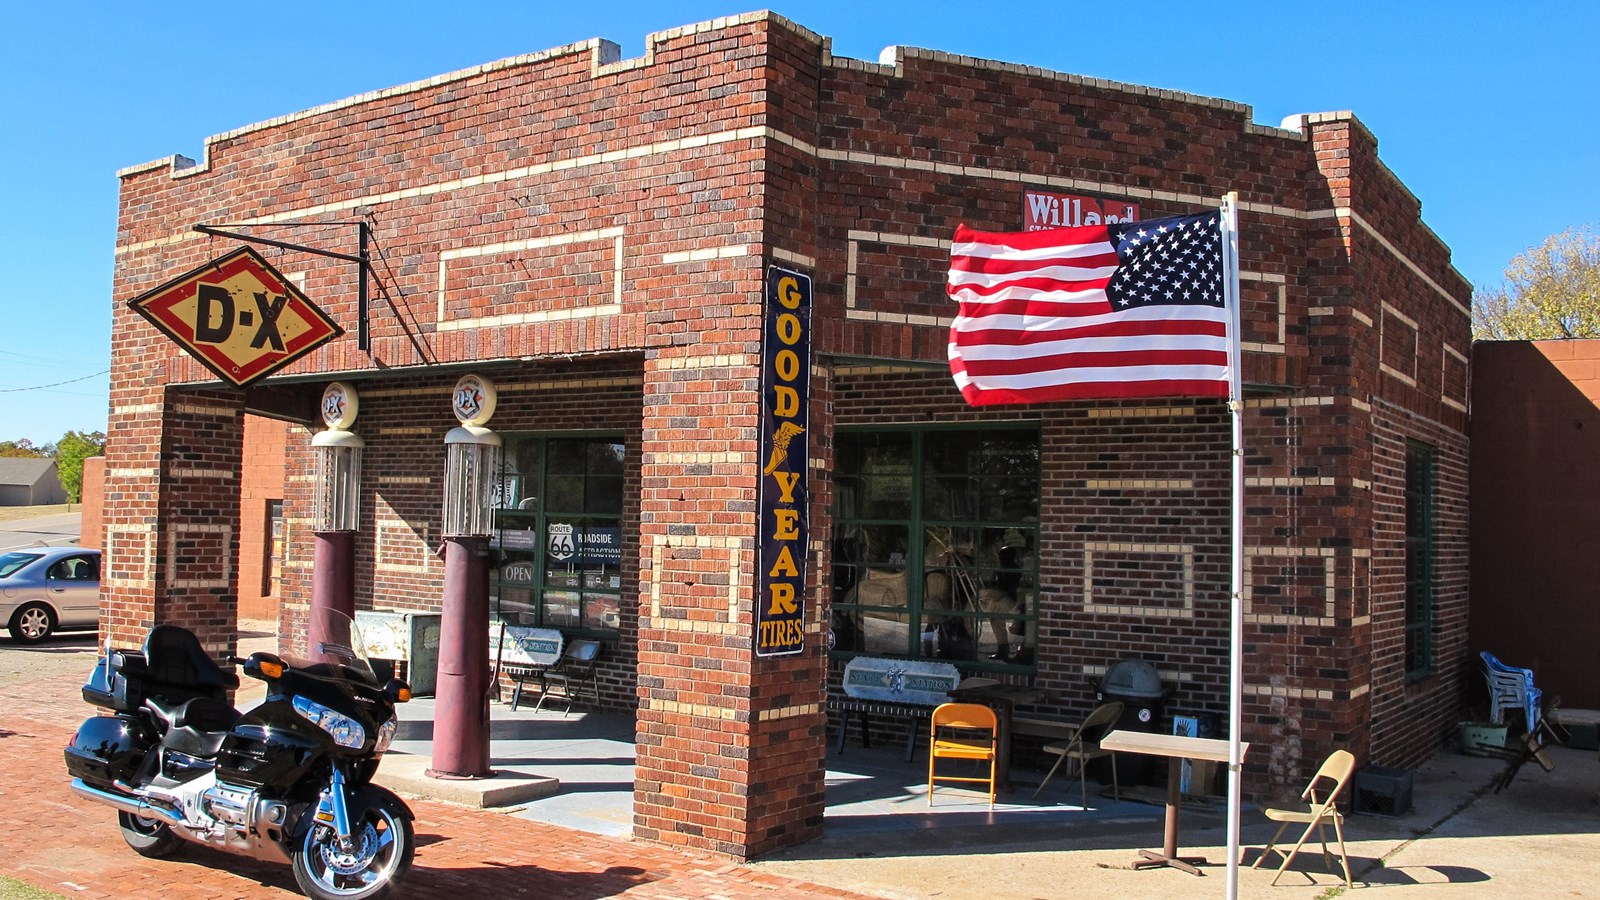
column 261, row 482
column 592, row 233
column 91, row 531
column 1535, row 439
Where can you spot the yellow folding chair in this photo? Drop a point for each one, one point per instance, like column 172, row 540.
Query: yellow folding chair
column 963, row 731
column 1324, row 810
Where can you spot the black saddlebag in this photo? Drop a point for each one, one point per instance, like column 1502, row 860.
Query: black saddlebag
column 107, row 749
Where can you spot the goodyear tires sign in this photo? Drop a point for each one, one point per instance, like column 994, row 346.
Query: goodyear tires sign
column 785, row 514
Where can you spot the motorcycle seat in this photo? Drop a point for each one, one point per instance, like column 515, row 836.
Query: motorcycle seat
column 196, row 727
column 178, row 667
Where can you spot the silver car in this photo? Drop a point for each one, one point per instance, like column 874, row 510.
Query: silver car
column 47, row 588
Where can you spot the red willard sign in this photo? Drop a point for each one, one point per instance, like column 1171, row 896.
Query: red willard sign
column 1045, row 209
column 238, row 316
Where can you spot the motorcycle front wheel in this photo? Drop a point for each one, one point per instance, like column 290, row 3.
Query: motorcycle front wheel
column 378, row 858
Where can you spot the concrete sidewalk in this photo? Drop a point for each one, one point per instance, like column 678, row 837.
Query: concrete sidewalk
column 1536, row 838
column 881, row 838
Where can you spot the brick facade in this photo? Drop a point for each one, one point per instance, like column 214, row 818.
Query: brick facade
column 91, row 530
column 592, row 233
column 260, row 484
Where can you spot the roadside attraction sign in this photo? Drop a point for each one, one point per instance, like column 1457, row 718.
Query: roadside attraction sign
column 237, row 315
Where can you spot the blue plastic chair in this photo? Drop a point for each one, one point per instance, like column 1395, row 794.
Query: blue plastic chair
column 1511, row 688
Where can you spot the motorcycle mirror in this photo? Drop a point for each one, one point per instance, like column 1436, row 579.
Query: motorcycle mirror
column 263, row 665
column 398, row 691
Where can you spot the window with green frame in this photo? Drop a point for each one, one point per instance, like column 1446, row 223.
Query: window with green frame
column 935, row 530
column 558, row 532
column 1419, row 559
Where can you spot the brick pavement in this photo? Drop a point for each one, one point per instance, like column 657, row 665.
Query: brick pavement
column 72, row 846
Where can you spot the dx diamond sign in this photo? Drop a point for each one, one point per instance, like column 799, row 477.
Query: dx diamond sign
column 238, row 316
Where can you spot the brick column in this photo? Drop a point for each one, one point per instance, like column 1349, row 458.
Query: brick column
column 172, row 517
column 731, row 748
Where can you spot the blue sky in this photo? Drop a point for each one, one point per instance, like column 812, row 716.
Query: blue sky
column 1487, row 111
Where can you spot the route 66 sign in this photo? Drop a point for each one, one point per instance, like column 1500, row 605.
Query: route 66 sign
column 563, row 542
column 473, row 400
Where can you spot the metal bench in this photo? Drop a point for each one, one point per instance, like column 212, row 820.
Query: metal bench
column 898, row 688
column 524, row 654
column 916, row 713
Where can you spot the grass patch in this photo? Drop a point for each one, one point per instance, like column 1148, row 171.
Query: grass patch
column 13, row 513
column 12, row 889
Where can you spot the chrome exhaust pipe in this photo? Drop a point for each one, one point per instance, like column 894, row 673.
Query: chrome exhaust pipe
column 137, row 806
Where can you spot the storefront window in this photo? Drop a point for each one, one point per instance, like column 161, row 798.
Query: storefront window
column 558, row 536
column 935, row 537
column 272, row 571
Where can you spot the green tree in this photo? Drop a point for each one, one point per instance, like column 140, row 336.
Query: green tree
column 1551, row 291
column 25, row 448
column 73, row 448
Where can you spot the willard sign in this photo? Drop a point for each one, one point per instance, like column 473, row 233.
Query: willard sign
column 238, row 316
column 785, row 518
column 1048, row 209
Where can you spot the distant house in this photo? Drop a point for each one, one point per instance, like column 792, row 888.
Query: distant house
column 30, row 481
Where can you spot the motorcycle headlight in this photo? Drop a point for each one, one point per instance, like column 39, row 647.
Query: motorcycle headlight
column 386, row 734
column 346, row 732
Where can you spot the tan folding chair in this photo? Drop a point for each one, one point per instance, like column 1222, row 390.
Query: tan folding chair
column 1324, row 811
column 963, row 731
column 1083, row 746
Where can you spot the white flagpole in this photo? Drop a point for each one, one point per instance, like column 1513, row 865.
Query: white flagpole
column 1230, row 288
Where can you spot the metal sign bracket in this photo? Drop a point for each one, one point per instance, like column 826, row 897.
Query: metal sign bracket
column 360, row 258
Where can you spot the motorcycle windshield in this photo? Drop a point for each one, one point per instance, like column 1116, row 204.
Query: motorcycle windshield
column 334, row 639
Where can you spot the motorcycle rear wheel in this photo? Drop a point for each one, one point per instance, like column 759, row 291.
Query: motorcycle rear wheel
column 148, row 837
column 383, row 847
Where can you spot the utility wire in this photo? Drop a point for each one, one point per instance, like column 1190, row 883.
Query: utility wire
column 40, row 387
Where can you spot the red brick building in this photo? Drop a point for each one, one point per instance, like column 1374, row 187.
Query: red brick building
column 593, row 234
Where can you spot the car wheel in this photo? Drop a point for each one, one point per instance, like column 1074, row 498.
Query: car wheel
column 32, row 623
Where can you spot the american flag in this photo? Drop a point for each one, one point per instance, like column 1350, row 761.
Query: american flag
column 1132, row 309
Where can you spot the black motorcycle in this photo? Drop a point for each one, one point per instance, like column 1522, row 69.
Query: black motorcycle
column 289, row 781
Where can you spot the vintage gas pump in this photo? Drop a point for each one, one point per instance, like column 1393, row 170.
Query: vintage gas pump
column 472, row 472
column 335, row 506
